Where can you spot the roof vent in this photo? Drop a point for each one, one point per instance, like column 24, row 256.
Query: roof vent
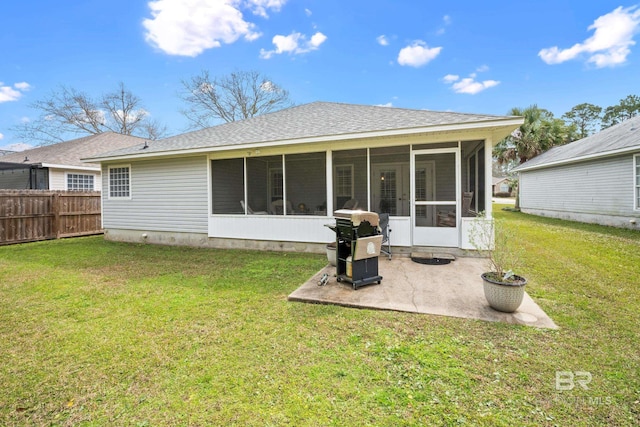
column 26, row 159
column 145, row 146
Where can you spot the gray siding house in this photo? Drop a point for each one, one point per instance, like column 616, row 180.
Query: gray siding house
column 58, row 166
column 595, row 179
column 274, row 181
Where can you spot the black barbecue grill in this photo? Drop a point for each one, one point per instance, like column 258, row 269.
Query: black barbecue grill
column 358, row 242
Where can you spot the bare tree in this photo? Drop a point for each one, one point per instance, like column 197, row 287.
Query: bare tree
column 70, row 112
column 239, row 95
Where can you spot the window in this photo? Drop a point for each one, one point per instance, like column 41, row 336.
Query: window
column 276, row 182
column 343, row 184
column 350, row 179
column 636, row 163
column 227, row 187
column 390, row 180
column 119, row 182
column 79, row 182
column 264, row 184
column 305, row 180
column 293, row 184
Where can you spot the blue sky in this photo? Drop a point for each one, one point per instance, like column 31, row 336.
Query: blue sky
column 464, row 56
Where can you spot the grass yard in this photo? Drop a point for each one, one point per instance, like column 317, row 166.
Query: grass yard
column 102, row 333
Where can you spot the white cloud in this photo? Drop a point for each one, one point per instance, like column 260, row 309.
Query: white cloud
column 8, row 93
column 482, row 68
column 388, row 104
column 1, row 136
column 610, row 44
column 18, row 146
column 417, row 54
column 307, row 12
column 446, row 20
column 259, row 7
column 24, row 86
column 450, row 78
column 317, row 39
column 294, row 43
column 132, row 115
column 268, row 86
column 382, row 40
column 189, row 27
column 469, row 84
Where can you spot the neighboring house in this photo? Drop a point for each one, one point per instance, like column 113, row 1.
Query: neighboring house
column 595, row 179
column 58, row 166
column 501, row 185
column 273, row 181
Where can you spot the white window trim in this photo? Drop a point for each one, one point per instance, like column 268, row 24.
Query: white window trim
column 636, row 186
column 109, row 182
column 335, row 176
column 270, row 183
column 66, row 179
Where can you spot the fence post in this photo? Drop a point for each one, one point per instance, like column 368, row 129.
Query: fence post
column 55, row 206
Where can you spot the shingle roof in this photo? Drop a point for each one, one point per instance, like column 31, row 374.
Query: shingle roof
column 314, row 120
column 69, row 153
column 498, row 179
column 621, row 137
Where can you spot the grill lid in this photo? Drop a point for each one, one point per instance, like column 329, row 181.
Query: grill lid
column 357, row 216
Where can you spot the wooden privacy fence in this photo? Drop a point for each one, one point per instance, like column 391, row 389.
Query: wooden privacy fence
column 30, row 215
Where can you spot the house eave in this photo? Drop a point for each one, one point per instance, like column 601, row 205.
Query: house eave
column 83, row 168
column 500, row 124
column 602, row 155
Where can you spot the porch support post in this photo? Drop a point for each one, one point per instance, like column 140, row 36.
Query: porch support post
column 488, row 176
column 246, row 191
column 329, row 173
column 369, row 207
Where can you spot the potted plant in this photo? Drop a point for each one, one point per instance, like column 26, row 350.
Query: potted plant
column 503, row 289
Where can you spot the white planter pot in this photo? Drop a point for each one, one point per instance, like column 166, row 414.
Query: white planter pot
column 505, row 297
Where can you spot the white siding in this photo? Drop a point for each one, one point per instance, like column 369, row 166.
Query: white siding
column 601, row 187
column 57, row 179
column 166, row 195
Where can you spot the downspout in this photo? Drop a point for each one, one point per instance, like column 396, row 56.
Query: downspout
column 517, row 205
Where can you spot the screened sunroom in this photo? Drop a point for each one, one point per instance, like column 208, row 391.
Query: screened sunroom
column 427, row 189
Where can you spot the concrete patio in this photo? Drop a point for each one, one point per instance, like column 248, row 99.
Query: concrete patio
column 453, row 289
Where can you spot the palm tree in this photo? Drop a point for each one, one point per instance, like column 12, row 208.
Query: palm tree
column 539, row 132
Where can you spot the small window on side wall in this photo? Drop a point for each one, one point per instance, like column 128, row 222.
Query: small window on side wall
column 79, row 182
column 119, row 182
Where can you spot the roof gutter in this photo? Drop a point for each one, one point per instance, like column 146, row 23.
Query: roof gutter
column 83, row 168
column 524, row 168
column 515, row 121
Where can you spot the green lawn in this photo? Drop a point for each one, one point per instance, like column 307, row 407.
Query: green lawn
column 102, row 333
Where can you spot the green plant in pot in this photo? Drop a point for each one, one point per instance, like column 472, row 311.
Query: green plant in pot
column 503, row 289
